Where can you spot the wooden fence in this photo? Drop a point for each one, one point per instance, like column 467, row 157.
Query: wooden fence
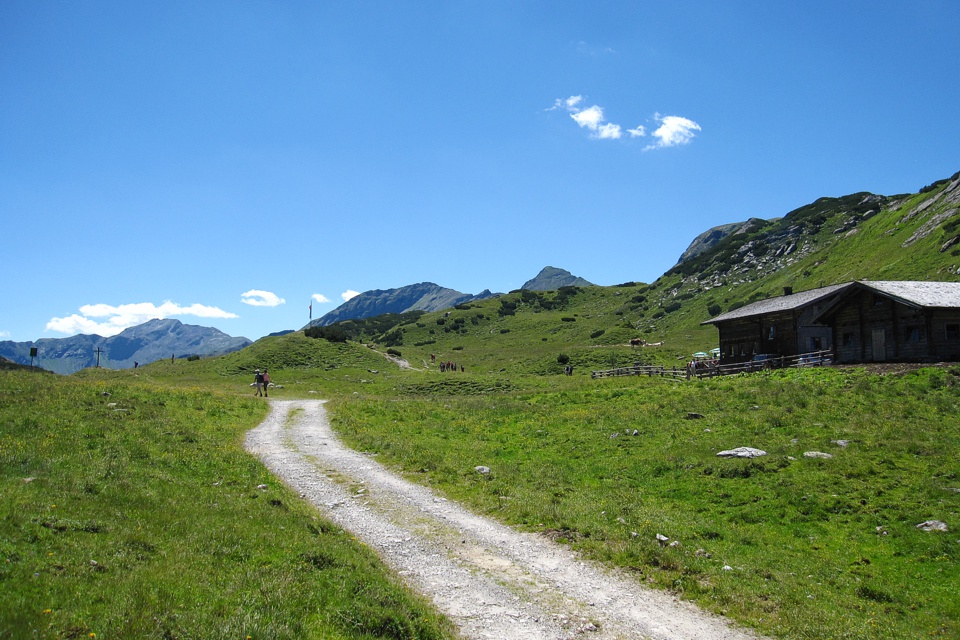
column 709, row 369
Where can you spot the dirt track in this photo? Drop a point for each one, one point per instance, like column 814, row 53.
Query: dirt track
column 492, row 581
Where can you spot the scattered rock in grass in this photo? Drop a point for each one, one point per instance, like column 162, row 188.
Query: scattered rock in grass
column 708, row 431
column 28, row 480
column 614, row 435
column 817, row 454
column 794, row 440
column 636, row 433
column 262, row 487
column 791, row 458
column 954, row 489
column 482, row 470
column 701, row 553
column 840, row 443
column 105, row 394
column 311, row 391
column 727, row 567
column 662, row 539
column 621, row 520
column 634, row 534
column 755, row 408
column 933, row 525
column 742, row 452
column 694, row 416
column 675, row 543
column 881, row 531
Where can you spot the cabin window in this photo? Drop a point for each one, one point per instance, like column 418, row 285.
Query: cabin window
column 953, row 332
column 816, row 344
column 914, row 334
column 773, row 332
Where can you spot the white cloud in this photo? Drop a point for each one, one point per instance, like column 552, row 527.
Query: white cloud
column 591, row 117
column 258, row 298
column 319, row 297
column 609, row 131
column 118, row 318
column 348, row 294
column 4, row 334
column 673, row 131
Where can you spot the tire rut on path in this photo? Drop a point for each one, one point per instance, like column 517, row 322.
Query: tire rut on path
column 491, row 581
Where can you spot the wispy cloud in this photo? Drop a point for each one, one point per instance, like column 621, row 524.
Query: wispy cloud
column 108, row 320
column 671, row 131
column 319, row 297
column 348, row 294
column 258, row 298
column 4, row 334
column 592, row 50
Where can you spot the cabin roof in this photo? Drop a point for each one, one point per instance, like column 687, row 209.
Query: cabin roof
column 918, row 293
column 779, row 304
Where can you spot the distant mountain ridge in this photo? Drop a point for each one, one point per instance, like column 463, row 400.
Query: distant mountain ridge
column 424, row 296
column 145, row 343
column 552, row 278
column 428, row 296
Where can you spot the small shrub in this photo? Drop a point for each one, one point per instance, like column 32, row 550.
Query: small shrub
column 598, row 333
column 458, row 348
column 568, row 319
column 193, row 358
column 393, row 352
column 714, row 309
column 563, row 358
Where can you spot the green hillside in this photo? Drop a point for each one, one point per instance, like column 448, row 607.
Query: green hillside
column 796, row 547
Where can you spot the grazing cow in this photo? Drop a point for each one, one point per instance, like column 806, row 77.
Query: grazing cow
column 637, row 342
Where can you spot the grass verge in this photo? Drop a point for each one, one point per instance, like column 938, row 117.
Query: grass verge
column 128, row 510
column 797, row 547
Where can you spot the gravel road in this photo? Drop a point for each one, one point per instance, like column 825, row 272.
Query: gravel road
column 492, row 581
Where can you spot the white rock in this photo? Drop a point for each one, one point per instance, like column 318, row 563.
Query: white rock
column 742, row 452
column 817, row 454
column 933, row 525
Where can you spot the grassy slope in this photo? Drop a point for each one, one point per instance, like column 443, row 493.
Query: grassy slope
column 800, row 534
column 556, row 468
column 138, row 514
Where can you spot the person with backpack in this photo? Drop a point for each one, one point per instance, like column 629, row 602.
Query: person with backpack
column 258, row 381
column 266, row 383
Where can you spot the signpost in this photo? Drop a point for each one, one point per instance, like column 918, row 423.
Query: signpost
column 33, row 354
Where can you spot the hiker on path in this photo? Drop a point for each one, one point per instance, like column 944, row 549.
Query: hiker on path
column 258, row 381
column 266, row 383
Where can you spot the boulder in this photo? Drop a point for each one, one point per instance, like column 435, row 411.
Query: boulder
column 817, row 454
column 742, row 452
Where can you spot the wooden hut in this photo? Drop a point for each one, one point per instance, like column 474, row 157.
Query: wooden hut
column 781, row 326
column 901, row 321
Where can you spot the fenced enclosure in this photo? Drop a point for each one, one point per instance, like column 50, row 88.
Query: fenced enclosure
column 711, row 368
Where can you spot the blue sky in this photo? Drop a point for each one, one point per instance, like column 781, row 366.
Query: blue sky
column 225, row 163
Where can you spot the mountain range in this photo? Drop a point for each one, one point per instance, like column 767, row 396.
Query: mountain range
column 150, row 341
column 427, row 296
column 831, row 240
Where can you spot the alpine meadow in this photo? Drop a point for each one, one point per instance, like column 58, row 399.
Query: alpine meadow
column 131, row 509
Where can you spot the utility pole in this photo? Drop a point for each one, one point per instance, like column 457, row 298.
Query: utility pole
column 98, row 357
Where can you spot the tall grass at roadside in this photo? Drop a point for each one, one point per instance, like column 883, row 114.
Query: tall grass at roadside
column 796, row 547
column 138, row 514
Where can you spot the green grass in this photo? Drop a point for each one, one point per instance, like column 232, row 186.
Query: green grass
column 138, row 514
column 800, row 534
